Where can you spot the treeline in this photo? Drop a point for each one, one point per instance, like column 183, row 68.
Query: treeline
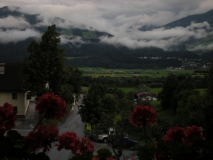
column 197, row 81
column 109, row 56
column 96, row 54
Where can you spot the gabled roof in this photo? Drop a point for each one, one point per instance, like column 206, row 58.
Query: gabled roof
column 10, row 79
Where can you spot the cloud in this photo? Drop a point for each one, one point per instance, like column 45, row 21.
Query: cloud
column 122, row 18
column 17, row 35
column 12, row 22
column 161, row 37
column 202, row 47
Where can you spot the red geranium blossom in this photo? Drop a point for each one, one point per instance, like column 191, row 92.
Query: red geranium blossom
column 7, row 118
column 51, row 105
column 174, row 135
column 191, row 134
column 69, row 140
column 143, row 115
column 41, row 137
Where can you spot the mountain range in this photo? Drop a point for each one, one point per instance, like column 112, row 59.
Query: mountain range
column 77, row 39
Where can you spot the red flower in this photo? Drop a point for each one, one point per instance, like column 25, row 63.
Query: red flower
column 41, row 137
column 7, row 118
column 51, row 105
column 159, row 155
column 191, row 134
column 69, row 140
column 143, row 115
column 174, row 135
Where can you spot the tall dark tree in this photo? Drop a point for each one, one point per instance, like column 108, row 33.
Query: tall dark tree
column 44, row 64
column 208, row 109
column 172, row 86
column 190, row 109
column 91, row 110
column 75, row 79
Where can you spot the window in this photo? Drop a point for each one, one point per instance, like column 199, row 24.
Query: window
column 14, row 96
column 15, row 109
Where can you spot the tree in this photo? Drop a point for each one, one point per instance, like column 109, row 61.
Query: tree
column 173, row 85
column 44, row 64
column 108, row 111
column 208, row 109
column 67, row 93
column 91, row 110
column 75, row 79
column 190, row 109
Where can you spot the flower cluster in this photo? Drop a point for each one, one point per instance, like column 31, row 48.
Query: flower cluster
column 51, row 105
column 41, row 137
column 191, row 134
column 143, row 115
column 178, row 134
column 7, row 118
column 69, row 140
column 174, row 134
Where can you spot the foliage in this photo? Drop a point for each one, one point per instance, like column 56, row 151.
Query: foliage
column 42, row 136
column 190, row 109
column 178, row 143
column 66, row 93
column 75, row 79
column 91, row 111
column 104, row 153
column 44, row 64
column 173, row 85
column 208, row 105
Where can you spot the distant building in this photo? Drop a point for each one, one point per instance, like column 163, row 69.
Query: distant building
column 202, row 70
column 11, row 88
column 146, row 96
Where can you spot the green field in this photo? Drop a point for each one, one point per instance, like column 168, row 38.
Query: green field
column 89, row 34
column 95, row 72
column 67, row 32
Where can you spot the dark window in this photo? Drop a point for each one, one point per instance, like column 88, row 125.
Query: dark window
column 14, row 96
column 15, row 109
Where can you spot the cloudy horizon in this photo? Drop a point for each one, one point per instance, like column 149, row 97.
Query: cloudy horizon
column 121, row 18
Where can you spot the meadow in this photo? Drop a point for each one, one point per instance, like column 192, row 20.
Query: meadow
column 166, row 114
column 96, row 72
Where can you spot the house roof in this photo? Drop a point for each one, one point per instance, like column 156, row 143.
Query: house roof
column 10, row 78
column 202, row 70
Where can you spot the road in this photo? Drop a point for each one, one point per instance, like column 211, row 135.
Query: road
column 73, row 123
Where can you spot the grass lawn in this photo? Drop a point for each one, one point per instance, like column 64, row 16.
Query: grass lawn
column 127, row 89
column 155, row 90
column 95, row 72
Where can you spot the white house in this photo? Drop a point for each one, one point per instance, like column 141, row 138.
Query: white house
column 11, row 88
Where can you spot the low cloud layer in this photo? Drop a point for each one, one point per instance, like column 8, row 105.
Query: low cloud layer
column 14, row 35
column 122, row 18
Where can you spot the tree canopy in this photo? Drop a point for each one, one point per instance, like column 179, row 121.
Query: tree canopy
column 45, row 63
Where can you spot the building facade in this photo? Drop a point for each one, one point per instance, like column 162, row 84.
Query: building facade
column 11, row 88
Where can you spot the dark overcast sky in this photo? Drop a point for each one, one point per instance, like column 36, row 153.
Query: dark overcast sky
column 122, row 18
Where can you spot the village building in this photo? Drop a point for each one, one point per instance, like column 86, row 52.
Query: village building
column 11, row 88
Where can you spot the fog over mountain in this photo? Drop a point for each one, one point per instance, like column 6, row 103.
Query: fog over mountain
column 133, row 23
